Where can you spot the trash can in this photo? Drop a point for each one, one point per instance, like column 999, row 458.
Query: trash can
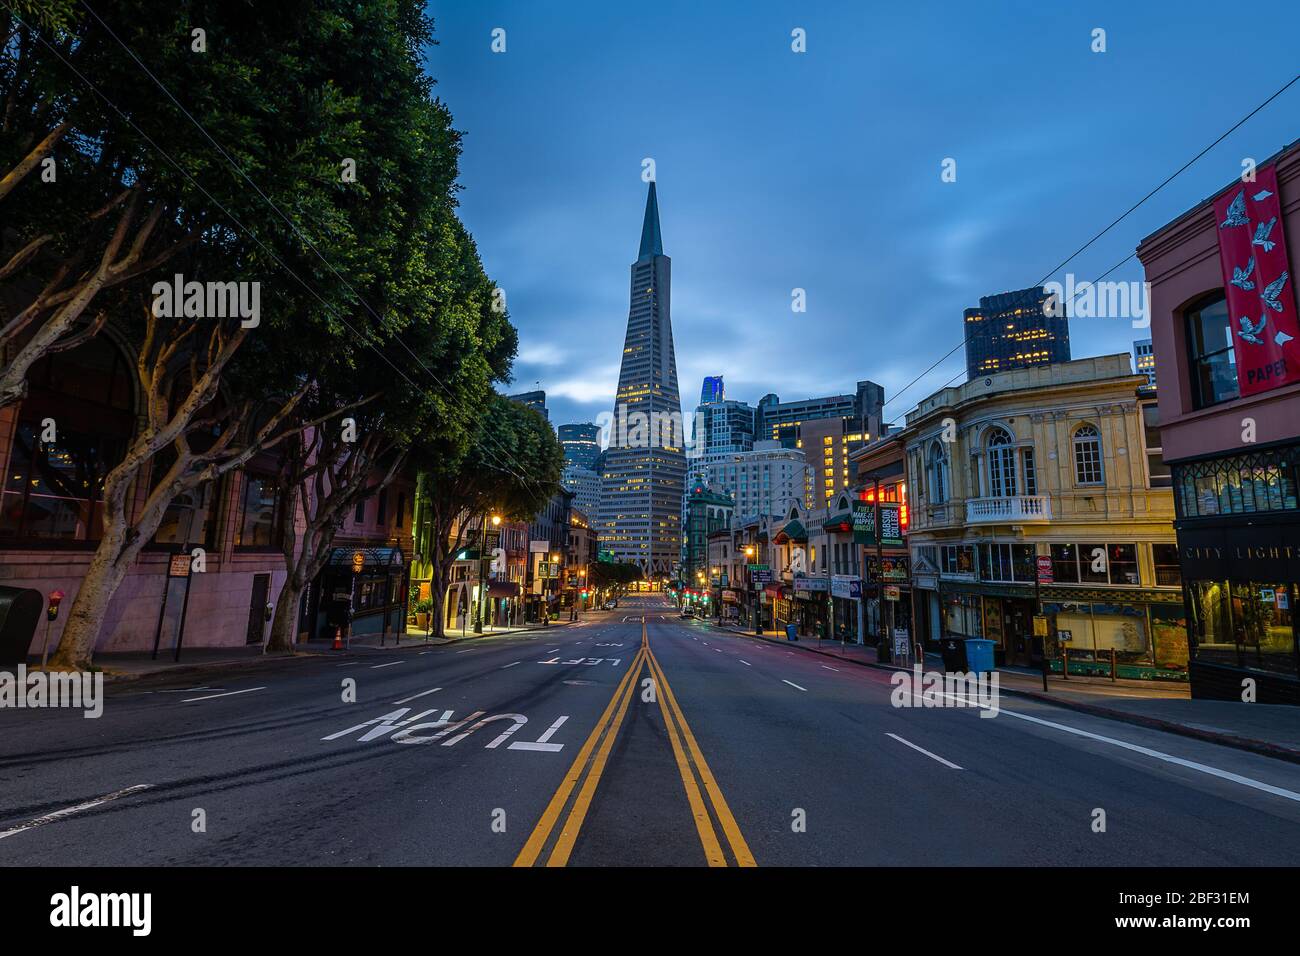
column 979, row 655
column 791, row 632
column 953, row 650
column 20, row 610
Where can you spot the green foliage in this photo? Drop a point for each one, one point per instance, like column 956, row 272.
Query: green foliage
column 511, row 465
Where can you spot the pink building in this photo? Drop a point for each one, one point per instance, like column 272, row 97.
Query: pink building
column 1227, row 352
column 50, row 517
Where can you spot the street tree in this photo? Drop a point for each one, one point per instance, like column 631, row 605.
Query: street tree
column 344, row 260
column 511, row 467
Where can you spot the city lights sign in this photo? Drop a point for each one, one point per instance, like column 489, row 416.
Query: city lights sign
column 1258, row 284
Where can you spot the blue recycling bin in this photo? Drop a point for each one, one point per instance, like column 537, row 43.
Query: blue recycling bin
column 979, row 655
column 791, row 632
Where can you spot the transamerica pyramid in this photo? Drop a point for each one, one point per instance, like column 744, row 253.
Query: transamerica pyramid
column 645, row 465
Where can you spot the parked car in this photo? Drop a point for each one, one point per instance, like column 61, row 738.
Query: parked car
column 688, row 611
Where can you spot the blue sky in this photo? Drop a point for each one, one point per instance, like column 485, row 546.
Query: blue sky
column 821, row 170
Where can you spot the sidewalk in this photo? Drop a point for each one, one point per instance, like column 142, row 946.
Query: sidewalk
column 133, row 665
column 1269, row 729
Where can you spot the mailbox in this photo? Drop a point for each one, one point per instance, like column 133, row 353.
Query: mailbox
column 20, row 610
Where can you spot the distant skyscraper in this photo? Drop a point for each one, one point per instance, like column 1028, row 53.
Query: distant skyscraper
column 1013, row 330
column 581, row 443
column 1144, row 360
column 712, row 392
column 645, row 465
column 825, row 429
column 535, row 400
column 585, row 485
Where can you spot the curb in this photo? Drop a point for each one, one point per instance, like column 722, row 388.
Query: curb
column 185, row 670
column 1262, row 747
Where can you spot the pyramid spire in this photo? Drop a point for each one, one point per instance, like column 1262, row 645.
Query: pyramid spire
column 652, row 243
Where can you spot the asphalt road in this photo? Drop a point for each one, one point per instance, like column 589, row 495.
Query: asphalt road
column 615, row 742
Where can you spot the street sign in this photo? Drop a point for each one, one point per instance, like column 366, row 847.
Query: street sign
column 1045, row 575
column 891, row 528
column 846, row 586
column 864, row 523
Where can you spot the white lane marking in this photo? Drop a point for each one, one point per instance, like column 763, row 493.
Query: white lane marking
column 745, row 662
column 718, row 649
column 423, row 693
column 829, row 668
column 68, row 811
column 542, row 744
column 946, row 763
column 374, row 667
column 348, row 664
column 511, row 664
column 1147, row 751
column 229, row 693
column 794, row 685
column 465, row 651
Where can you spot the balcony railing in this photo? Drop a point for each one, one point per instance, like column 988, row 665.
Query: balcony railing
column 1003, row 510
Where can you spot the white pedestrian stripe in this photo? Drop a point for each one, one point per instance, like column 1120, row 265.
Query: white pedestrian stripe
column 946, row 763
column 68, row 811
column 794, row 685
column 229, row 693
column 423, row 693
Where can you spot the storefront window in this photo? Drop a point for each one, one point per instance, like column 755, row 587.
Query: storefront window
column 1165, row 559
column 1095, row 564
column 1007, row 562
column 1261, row 617
column 1065, row 563
column 1242, row 484
column 1245, row 624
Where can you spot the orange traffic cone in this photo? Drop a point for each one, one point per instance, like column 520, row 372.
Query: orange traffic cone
column 338, row 639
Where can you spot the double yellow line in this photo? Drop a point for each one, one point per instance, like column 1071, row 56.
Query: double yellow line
column 589, row 765
column 703, row 825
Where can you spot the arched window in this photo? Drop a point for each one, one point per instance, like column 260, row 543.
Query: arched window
column 72, row 429
column 938, row 474
column 1087, row 455
column 1002, row 464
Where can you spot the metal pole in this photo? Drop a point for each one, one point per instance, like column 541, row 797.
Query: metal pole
column 478, row 595
column 1038, row 612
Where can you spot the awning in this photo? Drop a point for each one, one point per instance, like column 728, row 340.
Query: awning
column 503, row 589
column 840, row 522
column 792, row 530
column 371, row 558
